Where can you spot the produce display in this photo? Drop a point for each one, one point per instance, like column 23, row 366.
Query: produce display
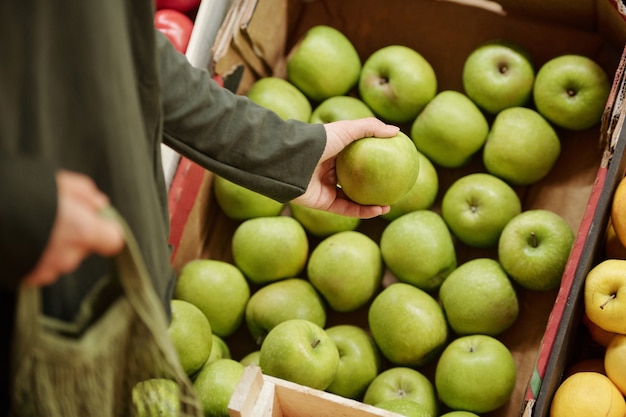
column 433, row 317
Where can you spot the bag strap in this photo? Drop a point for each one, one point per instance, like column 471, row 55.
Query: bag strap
column 139, row 290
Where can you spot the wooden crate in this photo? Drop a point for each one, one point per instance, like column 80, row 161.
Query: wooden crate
column 259, row 395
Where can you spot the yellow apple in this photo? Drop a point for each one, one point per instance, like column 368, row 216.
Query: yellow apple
column 618, row 211
column 605, row 294
column 615, row 361
column 613, row 247
column 597, row 333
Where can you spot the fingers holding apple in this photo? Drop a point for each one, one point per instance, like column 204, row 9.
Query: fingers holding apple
column 374, row 171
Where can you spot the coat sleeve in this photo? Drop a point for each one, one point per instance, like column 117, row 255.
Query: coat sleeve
column 27, row 213
column 232, row 136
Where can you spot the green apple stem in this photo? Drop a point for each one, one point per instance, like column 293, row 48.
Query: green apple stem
column 533, row 240
column 315, row 343
column 611, row 298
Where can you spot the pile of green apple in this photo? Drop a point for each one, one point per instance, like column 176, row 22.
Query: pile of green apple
column 432, row 321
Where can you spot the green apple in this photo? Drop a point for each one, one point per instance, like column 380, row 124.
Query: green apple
column 291, row 298
column 497, row 75
column 251, row 358
column 477, row 206
column 459, row 414
column 282, row 97
column 418, row 249
column 359, row 360
column 407, row 324
column 191, row 335
column 475, row 373
column 267, row 249
column 347, row 269
column 403, row 383
column 423, row 193
column 215, row 384
column 479, row 298
column 300, row 351
column 340, row 108
column 450, row 129
column 156, row 397
column 571, row 91
column 218, row 288
column 219, row 349
column 322, row 223
column 396, row 82
column 376, row 171
column 534, row 248
column 324, row 63
column 522, row 147
column 241, row 203
column 404, row 407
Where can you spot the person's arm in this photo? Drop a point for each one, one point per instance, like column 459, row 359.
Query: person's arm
column 252, row 146
column 231, row 136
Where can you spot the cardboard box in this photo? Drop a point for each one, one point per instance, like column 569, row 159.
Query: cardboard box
column 253, row 42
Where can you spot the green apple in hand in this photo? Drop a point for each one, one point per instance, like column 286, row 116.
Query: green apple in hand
column 423, row 193
column 347, row 269
column 396, row 82
column 322, row 223
column 191, row 335
column 241, row 203
column 450, row 129
column 300, row 351
column 407, row 324
column 479, row 298
column 403, row 383
column 218, row 288
column 215, row 384
column 418, row 249
column 156, row 397
column 282, row 97
column 522, row 147
column 571, row 91
column 477, row 206
column 340, row 108
column 378, row 171
column 267, row 249
column 404, row 407
column 497, row 75
column 475, row 373
column 359, row 360
column 324, row 63
column 534, row 248
column 292, row 298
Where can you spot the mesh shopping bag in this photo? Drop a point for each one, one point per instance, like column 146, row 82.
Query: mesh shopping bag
column 115, row 360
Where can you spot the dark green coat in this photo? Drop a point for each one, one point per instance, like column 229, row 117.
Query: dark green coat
column 89, row 86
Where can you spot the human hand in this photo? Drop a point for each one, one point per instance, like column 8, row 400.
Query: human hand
column 78, row 229
column 322, row 192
